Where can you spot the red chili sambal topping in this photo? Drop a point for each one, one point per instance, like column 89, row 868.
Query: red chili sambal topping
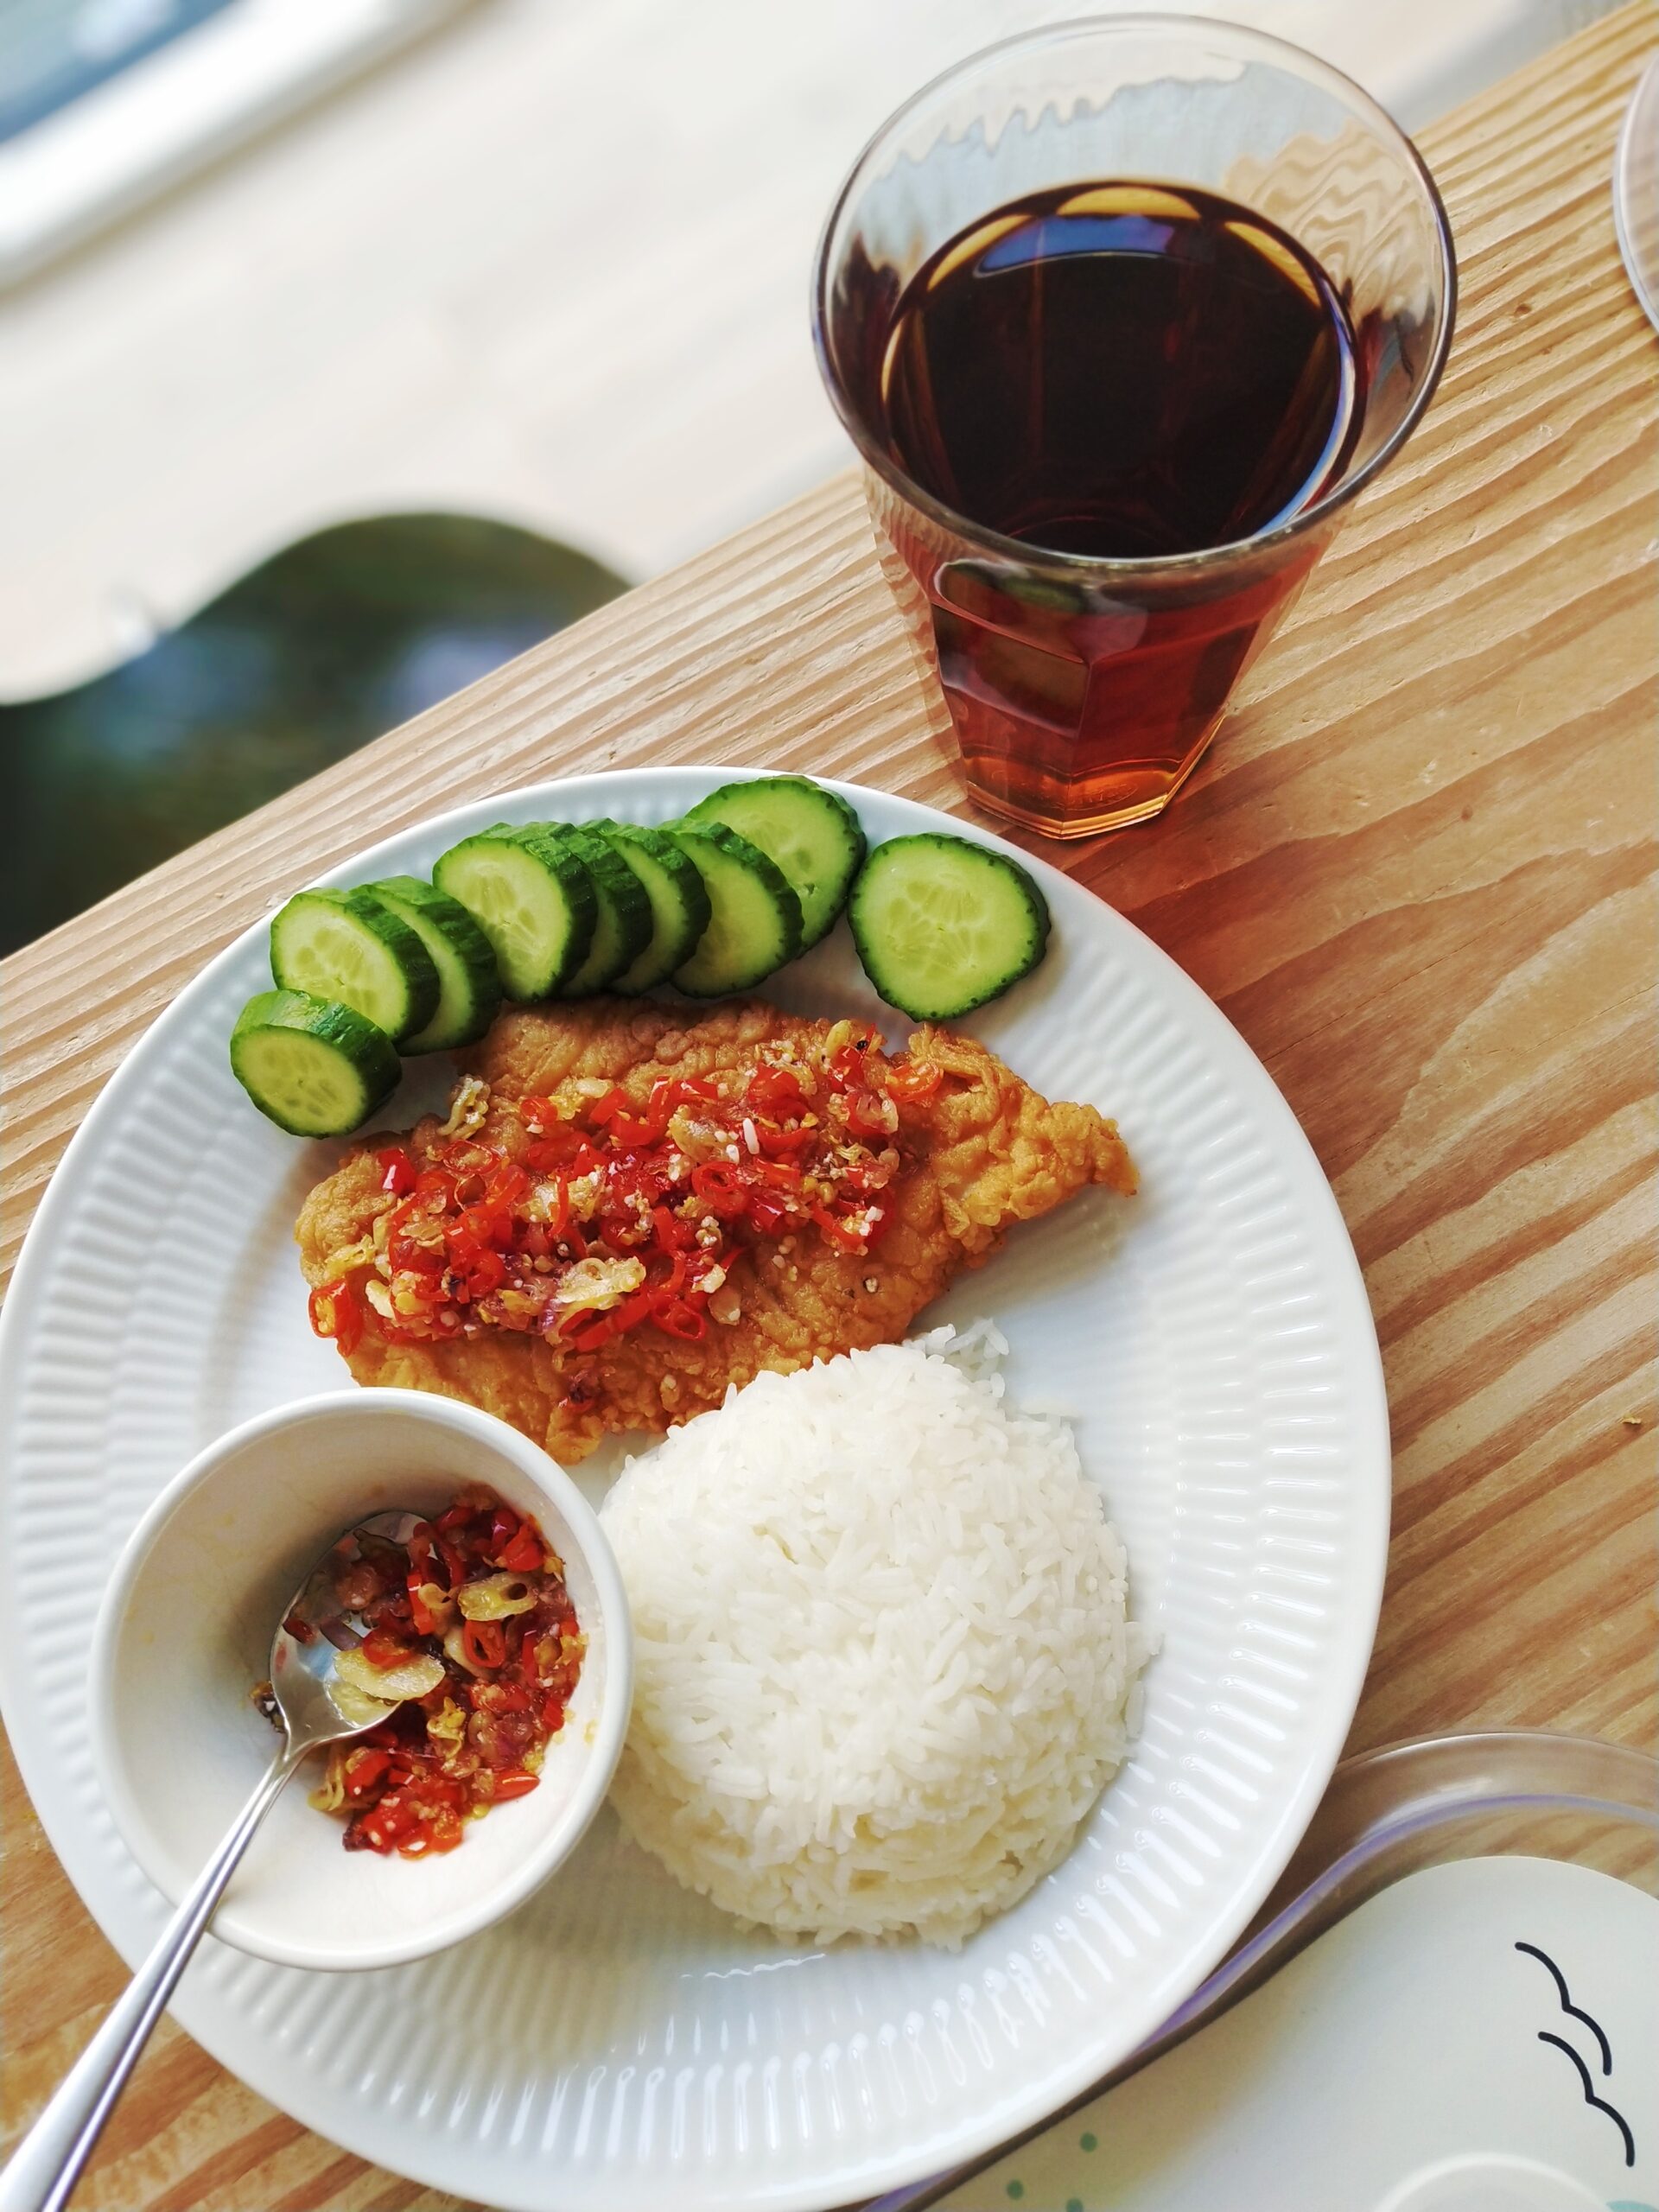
column 336, row 1312
column 585, row 1221
column 477, row 1602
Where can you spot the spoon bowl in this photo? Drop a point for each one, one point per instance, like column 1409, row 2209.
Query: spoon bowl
column 311, row 1702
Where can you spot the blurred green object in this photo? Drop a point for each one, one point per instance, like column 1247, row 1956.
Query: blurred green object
column 329, row 644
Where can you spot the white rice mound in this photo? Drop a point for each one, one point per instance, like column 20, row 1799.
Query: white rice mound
column 882, row 1653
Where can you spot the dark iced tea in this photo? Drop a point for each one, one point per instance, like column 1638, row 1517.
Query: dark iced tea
column 1124, row 373
column 1109, row 427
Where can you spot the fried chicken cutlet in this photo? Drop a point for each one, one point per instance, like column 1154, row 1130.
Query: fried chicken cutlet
column 633, row 1205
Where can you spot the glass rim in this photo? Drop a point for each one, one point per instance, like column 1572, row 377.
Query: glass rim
column 1285, row 53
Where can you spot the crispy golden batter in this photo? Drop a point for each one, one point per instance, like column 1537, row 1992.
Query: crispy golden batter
column 990, row 1152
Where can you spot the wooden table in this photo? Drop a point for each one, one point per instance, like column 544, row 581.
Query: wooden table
column 1416, row 871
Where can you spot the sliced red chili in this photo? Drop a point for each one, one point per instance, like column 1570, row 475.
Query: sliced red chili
column 909, row 1082
column 441, row 1833
column 438, row 1789
column 409, row 1253
column 586, row 1331
column 768, row 1215
column 484, row 1642
column 784, row 1144
column 625, row 1128
column 676, row 1317
column 336, row 1312
column 558, row 1206
column 669, row 1233
column 776, row 1090
column 513, row 1781
column 780, row 1175
column 364, row 1769
column 398, row 1173
column 846, row 1066
column 720, row 1187
column 564, row 1145
column 480, row 1225
column 836, row 1233
column 385, row 1824
column 480, row 1268
column 538, row 1114
column 631, row 1312
column 525, row 1553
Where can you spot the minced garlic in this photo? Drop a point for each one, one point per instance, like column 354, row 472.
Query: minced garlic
column 468, row 1107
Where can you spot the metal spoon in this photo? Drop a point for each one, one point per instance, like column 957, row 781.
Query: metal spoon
column 49, row 2161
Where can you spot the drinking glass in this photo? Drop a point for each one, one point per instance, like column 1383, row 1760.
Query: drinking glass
column 1083, row 692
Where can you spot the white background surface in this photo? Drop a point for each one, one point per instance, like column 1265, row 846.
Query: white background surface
column 549, row 265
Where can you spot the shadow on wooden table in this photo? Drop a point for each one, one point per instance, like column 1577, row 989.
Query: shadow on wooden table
column 318, row 650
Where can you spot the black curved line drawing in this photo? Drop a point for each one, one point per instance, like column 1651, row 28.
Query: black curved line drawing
column 1590, row 2096
column 1575, row 2011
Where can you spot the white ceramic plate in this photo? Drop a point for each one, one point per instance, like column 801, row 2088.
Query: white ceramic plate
column 618, row 2045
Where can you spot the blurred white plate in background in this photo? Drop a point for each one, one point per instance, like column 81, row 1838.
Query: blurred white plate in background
column 1635, row 192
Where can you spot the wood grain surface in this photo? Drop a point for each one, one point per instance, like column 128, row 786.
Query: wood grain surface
column 1417, row 871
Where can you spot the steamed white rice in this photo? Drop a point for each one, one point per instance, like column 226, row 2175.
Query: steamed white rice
column 882, row 1653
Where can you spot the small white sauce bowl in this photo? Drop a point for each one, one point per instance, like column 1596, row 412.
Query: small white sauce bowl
column 184, row 1633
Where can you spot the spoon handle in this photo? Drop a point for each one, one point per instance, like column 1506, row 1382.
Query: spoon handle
column 48, row 2162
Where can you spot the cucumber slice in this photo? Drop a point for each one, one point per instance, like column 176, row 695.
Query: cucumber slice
column 943, row 925
column 314, row 1066
column 755, row 922
column 469, row 989
column 533, row 899
column 813, row 836
column 347, row 946
column 622, row 923
column 679, row 904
